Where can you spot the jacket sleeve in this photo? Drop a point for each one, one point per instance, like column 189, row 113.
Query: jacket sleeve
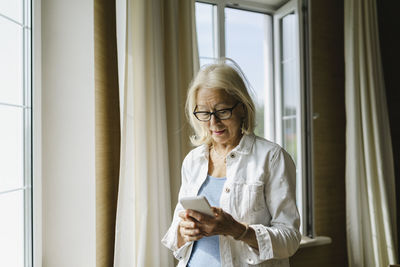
column 281, row 238
column 170, row 239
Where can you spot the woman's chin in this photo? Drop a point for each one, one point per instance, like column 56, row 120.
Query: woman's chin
column 220, row 138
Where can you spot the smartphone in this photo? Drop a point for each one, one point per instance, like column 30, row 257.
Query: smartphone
column 198, row 203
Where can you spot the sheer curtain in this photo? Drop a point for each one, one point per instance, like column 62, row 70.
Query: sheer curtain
column 158, row 58
column 370, row 184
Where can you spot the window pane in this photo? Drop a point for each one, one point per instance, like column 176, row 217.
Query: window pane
column 12, row 9
column 291, row 100
column 11, row 148
column 290, row 137
column 248, row 43
column 288, row 35
column 206, row 30
column 12, row 229
column 288, row 61
column 11, row 67
column 290, row 88
column 206, row 61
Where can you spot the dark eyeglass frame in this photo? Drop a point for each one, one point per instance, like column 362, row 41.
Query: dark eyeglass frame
column 215, row 112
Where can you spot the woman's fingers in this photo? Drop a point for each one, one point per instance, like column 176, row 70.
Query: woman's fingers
column 217, row 211
column 188, row 224
column 187, row 214
column 183, row 214
column 198, row 216
column 189, row 227
column 189, row 231
column 220, row 224
column 192, row 238
column 207, row 225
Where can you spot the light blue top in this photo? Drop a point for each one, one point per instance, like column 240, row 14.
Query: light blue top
column 205, row 252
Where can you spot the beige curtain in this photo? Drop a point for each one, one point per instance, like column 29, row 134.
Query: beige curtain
column 159, row 60
column 370, row 184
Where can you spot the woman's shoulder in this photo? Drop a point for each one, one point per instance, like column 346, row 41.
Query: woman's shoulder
column 196, row 153
column 273, row 151
column 265, row 144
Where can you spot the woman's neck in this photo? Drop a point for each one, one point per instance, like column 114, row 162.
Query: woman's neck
column 225, row 148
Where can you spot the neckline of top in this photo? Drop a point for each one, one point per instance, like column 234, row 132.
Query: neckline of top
column 217, row 178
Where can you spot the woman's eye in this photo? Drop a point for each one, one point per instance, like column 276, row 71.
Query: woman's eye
column 222, row 112
column 203, row 115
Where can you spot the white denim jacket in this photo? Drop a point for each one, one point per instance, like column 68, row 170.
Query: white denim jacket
column 259, row 190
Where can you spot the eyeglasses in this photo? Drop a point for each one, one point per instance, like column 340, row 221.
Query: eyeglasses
column 222, row 114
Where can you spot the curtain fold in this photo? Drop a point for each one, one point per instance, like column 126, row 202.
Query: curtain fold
column 158, row 66
column 182, row 61
column 370, row 183
column 107, row 129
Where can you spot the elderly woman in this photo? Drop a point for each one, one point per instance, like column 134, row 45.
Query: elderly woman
column 249, row 181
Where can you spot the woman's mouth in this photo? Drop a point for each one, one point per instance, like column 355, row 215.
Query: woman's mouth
column 219, row 132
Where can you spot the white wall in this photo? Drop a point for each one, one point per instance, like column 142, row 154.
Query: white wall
column 68, row 141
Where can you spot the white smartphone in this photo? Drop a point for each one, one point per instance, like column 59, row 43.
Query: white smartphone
column 198, row 203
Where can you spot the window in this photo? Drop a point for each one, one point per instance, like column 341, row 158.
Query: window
column 15, row 134
column 265, row 42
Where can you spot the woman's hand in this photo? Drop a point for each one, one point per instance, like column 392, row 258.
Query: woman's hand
column 188, row 227
column 195, row 225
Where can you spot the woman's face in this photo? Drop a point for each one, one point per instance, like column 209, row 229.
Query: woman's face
column 227, row 131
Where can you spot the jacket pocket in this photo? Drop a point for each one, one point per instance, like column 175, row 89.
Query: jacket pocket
column 249, row 198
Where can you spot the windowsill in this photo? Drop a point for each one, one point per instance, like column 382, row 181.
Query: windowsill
column 316, row 241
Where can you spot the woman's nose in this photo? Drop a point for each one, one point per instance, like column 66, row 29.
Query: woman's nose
column 214, row 119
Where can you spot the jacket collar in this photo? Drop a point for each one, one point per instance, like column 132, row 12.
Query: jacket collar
column 244, row 147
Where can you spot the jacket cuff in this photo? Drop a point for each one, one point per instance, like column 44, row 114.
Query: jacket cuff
column 273, row 243
column 254, row 256
column 265, row 251
column 181, row 252
column 170, row 240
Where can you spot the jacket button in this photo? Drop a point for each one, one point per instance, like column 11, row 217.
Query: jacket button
column 233, row 155
column 227, row 190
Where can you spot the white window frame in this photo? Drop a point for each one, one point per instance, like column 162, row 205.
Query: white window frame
column 26, row 107
column 273, row 113
column 37, row 131
column 292, row 7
